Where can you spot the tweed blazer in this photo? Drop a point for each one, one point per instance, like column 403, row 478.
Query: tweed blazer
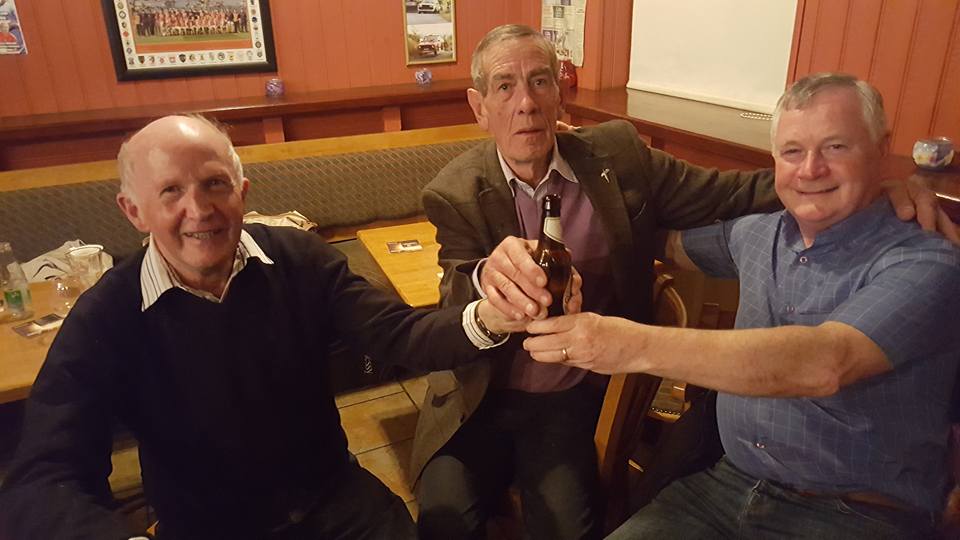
column 634, row 189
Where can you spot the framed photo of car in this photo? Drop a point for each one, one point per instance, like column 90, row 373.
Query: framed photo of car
column 153, row 39
column 430, row 30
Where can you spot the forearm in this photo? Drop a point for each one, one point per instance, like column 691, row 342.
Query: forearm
column 789, row 361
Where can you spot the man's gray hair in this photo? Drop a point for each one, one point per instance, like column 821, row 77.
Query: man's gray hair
column 125, row 160
column 501, row 34
column 803, row 91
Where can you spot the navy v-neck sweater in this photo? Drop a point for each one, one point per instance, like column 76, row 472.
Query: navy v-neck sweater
column 230, row 402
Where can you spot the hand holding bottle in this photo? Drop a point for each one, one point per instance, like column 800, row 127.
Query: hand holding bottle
column 523, row 277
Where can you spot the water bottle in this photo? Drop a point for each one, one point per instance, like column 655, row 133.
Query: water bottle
column 15, row 289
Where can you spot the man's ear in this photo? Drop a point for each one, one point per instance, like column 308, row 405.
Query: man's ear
column 475, row 99
column 244, row 187
column 132, row 211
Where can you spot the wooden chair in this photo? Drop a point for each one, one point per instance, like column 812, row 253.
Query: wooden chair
column 627, row 404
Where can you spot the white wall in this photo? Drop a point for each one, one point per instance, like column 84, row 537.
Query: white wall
column 730, row 52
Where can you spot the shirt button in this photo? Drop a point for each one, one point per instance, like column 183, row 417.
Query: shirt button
column 790, row 309
column 803, row 259
column 760, row 445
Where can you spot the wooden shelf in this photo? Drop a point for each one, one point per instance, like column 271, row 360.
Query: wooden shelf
column 84, row 136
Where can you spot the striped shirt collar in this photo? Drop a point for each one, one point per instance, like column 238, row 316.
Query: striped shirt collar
column 156, row 276
column 557, row 163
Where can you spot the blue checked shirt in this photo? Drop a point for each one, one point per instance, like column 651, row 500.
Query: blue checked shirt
column 891, row 281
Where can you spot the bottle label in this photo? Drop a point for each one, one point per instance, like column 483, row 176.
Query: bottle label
column 14, row 300
column 551, row 228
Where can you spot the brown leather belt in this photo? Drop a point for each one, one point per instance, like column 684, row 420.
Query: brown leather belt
column 863, row 497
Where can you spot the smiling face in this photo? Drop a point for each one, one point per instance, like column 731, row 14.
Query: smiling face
column 521, row 105
column 827, row 164
column 184, row 193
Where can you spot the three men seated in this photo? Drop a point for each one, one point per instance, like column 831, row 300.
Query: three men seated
column 209, row 344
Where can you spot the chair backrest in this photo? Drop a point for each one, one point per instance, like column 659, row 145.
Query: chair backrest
column 627, row 400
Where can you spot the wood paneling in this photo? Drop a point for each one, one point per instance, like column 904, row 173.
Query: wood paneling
column 947, row 113
column 706, row 158
column 909, row 49
column 333, row 124
column 436, row 114
column 79, row 136
column 606, row 45
column 321, row 45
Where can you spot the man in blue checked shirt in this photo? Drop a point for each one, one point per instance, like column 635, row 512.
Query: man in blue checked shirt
column 835, row 385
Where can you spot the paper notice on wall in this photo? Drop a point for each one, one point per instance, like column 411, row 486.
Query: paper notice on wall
column 11, row 37
column 561, row 21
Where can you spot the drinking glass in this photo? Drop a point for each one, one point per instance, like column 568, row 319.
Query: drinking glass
column 86, row 264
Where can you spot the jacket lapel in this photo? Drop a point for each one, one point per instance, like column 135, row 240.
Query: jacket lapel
column 496, row 199
column 598, row 179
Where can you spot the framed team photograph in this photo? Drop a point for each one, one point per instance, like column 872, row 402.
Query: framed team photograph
column 153, row 39
column 430, row 30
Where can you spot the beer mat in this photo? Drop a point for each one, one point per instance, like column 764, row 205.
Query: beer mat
column 403, row 246
column 39, row 326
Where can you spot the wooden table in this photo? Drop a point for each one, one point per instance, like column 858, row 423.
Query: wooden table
column 414, row 274
column 20, row 357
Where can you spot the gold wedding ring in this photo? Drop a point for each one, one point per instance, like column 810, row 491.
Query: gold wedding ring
column 566, row 357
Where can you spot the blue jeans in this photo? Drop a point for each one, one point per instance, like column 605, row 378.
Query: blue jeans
column 724, row 502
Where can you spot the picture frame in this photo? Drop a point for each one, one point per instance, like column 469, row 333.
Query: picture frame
column 429, row 29
column 156, row 39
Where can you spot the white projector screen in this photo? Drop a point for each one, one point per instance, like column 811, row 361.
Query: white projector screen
column 729, row 52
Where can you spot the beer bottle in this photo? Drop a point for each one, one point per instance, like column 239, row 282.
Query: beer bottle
column 552, row 255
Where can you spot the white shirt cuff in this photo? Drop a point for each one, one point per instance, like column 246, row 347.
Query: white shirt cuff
column 476, row 277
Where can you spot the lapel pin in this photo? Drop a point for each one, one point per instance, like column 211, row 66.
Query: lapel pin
column 604, row 175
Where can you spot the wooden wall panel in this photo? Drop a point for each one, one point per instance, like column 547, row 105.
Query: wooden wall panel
column 335, row 124
column 246, row 132
column 705, row 158
column 14, row 92
column 894, row 40
column 909, row 49
column 436, row 115
column 860, row 36
column 921, row 78
column 321, row 45
column 44, row 153
column 95, row 72
column 947, row 113
column 33, row 66
column 828, row 43
column 804, row 36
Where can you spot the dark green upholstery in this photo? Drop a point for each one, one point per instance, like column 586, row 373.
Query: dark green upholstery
column 338, row 190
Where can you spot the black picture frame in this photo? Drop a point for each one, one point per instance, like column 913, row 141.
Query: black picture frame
column 159, row 39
